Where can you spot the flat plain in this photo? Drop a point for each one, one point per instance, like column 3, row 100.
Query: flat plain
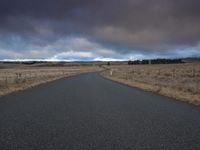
column 15, row 77
column 180, row 81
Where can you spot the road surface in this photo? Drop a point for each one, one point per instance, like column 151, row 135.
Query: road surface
column 88, row 112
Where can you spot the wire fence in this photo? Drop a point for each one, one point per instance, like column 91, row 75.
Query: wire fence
column 11, row 76
column 183, row 77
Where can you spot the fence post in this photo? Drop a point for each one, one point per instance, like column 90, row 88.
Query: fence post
column 111, row 72
column 193, row 73
column 132, row 76
column 158, row 71
column 173, row 73
column 6, row 78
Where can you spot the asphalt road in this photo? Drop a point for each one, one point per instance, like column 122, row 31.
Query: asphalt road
column 88, row 112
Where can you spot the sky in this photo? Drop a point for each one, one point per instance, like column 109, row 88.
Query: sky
column 96, row 30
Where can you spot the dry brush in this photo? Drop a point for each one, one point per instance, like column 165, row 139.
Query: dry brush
column 19, row 78
column 180, row 81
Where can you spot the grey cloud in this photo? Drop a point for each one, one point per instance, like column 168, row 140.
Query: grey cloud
column 146, row 26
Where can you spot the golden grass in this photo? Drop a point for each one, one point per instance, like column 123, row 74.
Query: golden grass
column 180, row 81
column 19, row 78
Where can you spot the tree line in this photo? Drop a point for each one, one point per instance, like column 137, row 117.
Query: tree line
column 155, row 61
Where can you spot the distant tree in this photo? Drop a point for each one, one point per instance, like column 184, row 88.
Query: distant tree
column 135, row 62
column 155, row 61
column 166, row 61
column 145, row 62
column 130, row 62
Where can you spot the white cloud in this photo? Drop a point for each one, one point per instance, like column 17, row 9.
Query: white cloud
column 72, row 55
column 82, row 49
column 108, row 59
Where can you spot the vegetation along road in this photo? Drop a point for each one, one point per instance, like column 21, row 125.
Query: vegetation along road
column 90, row 112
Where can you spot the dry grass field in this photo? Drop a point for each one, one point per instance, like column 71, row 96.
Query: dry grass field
column 15, row 77
column 180, row 81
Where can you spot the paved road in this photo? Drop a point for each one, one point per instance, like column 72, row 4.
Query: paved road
column 89, row 112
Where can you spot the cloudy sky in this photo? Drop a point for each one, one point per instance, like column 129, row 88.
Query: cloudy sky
column 99, row 29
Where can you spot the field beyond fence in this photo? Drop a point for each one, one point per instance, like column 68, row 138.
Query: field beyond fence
column 180, row 81
column 19, row 78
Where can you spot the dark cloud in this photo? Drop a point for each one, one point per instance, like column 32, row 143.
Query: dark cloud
column 126, row 26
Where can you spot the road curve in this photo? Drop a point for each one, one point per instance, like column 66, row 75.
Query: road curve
column 88, row 112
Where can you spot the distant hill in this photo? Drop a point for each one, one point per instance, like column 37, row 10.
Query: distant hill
column 191, row 59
